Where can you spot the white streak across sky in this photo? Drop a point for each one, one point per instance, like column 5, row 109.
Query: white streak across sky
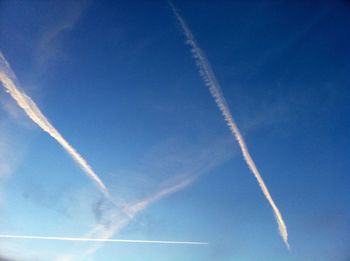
column 104, row 240
column 211, row 82
column 8, row 79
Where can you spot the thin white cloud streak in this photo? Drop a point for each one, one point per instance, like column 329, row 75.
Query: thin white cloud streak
column 132, row 241
column 8, row 79
column 211, row 82
column 143, row 204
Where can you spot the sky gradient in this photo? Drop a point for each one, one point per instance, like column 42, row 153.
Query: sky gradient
column 118, row 82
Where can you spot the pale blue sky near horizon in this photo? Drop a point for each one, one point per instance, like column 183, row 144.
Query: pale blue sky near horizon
column 119, row 82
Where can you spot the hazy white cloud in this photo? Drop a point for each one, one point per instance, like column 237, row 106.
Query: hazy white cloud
column 5, row 258
column 12, row 252
column 6, row 163
column 211, row 82
column 12, row 149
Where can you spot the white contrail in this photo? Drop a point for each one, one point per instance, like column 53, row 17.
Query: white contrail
column 8, row 79
column 211, row 82
column 105, row 240
column 133, row 210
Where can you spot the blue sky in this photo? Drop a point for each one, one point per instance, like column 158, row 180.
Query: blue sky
column 118, row 81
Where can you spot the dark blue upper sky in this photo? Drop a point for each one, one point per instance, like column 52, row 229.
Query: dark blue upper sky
column 117, row 79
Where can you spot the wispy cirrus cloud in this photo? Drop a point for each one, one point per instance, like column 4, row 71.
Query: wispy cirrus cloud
column 70, row 13
column 209, row 78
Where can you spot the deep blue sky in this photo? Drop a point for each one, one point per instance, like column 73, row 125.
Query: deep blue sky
column 118, row 81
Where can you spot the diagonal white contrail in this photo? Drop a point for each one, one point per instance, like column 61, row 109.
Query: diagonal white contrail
column 105, row 240
column 211, row 82
column 8, row 79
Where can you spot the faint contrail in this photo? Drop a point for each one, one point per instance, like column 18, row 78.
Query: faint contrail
column 106, row 240
column 8, row 79
column 144, row 203
column 133, row 210
column 211, row 82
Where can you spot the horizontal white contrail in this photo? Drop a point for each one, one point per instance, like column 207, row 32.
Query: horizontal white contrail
column 8, row 79
column 211, row 82
column 105, row 240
